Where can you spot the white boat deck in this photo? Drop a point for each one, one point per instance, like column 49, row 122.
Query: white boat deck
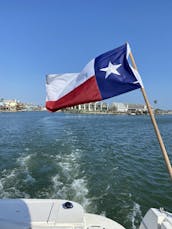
column 49, row 213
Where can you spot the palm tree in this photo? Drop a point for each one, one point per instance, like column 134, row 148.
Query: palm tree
column 155, row 102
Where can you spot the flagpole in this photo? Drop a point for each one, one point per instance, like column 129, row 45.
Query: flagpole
column 161, row 143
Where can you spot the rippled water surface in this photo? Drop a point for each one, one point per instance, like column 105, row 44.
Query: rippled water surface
column 110, row 164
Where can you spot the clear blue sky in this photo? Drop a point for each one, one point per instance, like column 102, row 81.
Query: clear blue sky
column 38, row 37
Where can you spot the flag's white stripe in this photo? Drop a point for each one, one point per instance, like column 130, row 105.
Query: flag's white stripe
column 58, row 85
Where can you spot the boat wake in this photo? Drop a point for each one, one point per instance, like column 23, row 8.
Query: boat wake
column 69, row 183
column 66, row 181
column 135, row 216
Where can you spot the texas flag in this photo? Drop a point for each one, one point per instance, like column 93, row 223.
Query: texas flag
column 108, row 75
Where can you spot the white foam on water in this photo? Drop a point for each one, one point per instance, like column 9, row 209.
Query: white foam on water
column 107, row 188
column 9, row 175
column 57, row 184
column 9, row 178
column 3, row 193
column 23, row 162
column 8, row 191
column 29, row 178
column 80, row 188
column 136, row 213
column 69, row 183
column 6, row 177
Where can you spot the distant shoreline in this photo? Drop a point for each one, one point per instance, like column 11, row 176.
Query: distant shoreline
column 90, row 112
column 112, row 113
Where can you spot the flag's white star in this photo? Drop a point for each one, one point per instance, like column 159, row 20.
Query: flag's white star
column 111, row 68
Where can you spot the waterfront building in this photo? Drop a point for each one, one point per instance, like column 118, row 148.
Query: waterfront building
column 137, row 108
column 112, row 108
column 2, row 105
column 92, row 107
column 9, row 104
column 13, row 105
column 104, row 107
column 118, row 107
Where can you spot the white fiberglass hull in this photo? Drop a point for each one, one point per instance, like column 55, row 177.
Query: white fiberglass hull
column 49, row 213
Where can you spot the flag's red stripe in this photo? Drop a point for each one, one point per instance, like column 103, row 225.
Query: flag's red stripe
column 86, row 92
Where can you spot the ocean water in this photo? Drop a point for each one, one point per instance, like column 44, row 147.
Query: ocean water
column 111, row 164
